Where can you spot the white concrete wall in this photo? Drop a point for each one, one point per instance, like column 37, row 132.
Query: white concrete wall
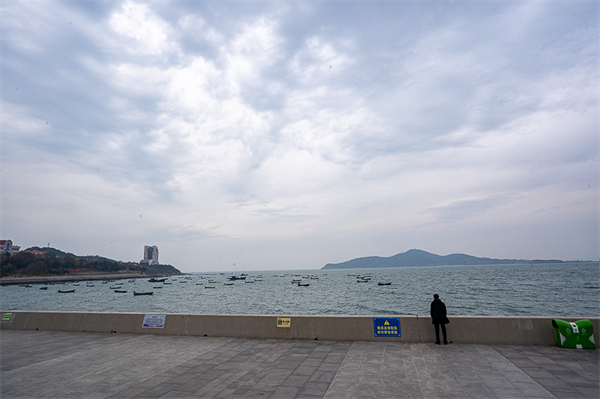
column 511, row 330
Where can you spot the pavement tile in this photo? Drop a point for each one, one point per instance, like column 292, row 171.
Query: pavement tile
column 590, row 392
column 314, row 388
column 537, row 372
column 532, row 390
column 305, row 370
column 284, row 392
column 295, row 380
column 57, row 365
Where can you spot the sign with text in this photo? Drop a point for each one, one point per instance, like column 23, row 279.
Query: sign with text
column 284, row 322
column 154, row 321
column 6, row 316
column 386, row 326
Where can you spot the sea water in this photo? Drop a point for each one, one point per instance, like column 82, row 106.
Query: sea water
column 568, row 289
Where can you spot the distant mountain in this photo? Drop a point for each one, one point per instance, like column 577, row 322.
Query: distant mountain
column 417, row 257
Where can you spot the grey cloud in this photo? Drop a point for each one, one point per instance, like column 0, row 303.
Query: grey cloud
column 470, row 208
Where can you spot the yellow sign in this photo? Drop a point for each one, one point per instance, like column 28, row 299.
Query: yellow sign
column 285, row 322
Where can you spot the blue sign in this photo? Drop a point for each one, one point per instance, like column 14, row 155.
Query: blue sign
column 386, row 326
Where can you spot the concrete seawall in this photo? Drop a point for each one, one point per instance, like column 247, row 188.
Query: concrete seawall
column 509, row 330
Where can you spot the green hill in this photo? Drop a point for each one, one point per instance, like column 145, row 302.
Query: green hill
column 56, row 262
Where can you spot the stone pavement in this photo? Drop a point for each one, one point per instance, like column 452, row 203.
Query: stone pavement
column 49, row 364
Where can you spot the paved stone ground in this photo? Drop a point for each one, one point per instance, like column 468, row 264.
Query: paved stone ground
column 36, row 364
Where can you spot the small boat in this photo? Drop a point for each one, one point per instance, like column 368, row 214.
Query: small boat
column 157, row 280
column 158, row 288
column 386, row 283
column 43, row 288
column 143, row 293
column 76, row 284
column 227, row 283
column 167, row 283
column 65, row 291
column 208, row 286
column 183, row 281
column 131, row 281
column 105, row 282
column 90, row 285
column 301, row 284
column 115, row 288
column 362, row 281
column 121, row 291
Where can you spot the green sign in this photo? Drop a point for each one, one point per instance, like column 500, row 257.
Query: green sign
column 6, row 316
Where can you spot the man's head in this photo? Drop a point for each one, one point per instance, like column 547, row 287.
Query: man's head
column 436, row 296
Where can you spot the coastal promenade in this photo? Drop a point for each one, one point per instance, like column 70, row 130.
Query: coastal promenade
column 64, row 364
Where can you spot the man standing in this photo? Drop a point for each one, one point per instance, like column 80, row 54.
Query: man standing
column 439, row 318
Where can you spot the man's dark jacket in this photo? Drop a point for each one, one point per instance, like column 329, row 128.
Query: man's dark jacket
column 438, row 312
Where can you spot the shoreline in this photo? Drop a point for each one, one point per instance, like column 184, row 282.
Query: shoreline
column 70, row 278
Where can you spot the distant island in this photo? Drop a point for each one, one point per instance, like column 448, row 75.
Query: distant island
column 417, row 257
column 47, row 261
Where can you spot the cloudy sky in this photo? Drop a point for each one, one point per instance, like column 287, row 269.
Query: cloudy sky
column 285, row 135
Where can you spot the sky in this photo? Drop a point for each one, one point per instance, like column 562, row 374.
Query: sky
column 261, row 135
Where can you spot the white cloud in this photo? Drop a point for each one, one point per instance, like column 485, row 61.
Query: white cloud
column 149, row 32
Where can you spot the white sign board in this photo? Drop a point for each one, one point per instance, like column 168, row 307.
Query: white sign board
column 154, row 321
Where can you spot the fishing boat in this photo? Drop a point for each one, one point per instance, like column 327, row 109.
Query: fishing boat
column 143, row 293
column 65, row 291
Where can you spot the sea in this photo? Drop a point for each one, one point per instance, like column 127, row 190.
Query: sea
column 557, row 289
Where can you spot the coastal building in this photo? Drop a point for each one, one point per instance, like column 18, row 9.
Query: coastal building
column 150, row 255
column 8, row 247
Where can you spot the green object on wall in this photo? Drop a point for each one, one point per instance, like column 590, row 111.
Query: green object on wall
column 579, row 334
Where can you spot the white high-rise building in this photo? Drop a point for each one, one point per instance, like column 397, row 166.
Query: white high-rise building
column 150, row 255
